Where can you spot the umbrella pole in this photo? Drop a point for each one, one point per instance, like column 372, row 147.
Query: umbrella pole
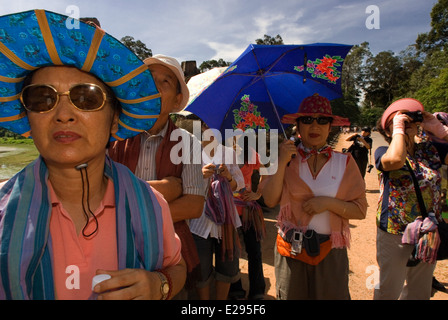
column 261, row 73
column 275, row 109
column 278, row 116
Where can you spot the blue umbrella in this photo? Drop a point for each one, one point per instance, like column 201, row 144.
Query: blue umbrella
column 266, row 82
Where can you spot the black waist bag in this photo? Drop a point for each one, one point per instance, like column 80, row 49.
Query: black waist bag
column 312, row 241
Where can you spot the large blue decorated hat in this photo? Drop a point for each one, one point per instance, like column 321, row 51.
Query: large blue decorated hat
column 34, row 39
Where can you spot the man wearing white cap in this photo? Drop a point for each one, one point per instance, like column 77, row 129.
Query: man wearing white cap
column 148, row 156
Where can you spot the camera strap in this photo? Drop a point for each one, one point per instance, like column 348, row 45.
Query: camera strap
column 421, row 203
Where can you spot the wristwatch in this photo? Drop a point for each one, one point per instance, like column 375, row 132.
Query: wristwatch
column 165, row 287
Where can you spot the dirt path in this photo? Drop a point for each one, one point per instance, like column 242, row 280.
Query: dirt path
column 362, row 254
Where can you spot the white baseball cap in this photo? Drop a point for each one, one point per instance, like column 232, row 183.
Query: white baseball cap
column 174, row 66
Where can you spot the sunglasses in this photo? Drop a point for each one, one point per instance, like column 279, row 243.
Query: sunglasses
column 43, row 98
column 319, row 120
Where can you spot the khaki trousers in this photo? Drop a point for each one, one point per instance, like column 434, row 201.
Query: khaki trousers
column 296, row 280
column 397, row 281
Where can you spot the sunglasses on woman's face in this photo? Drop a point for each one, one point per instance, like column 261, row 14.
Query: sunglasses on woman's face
column 319, row 120
column 43, row 98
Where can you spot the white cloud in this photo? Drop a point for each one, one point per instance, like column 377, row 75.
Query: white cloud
column 227, row 51
column 203, row 30
column 265, row 21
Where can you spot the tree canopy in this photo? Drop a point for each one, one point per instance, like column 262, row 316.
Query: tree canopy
column 137, row 46
column 268, row 40
column 210, row 64
column 420, row 72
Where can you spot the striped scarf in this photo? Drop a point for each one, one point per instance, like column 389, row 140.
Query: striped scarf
column 252, row 217
column 221, row 209
column 25, row 243
column 296, row 192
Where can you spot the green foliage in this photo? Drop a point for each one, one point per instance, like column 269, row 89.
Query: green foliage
column 437, row 38
column 352, row 82
column 11, row 137
column 382, row 78
column 420, row 71
column 210, row 64
column 347, row 107
column 428, row 70
column 370, row 116
column 435, row 96
column 138, row 47
column 268, row 40
column 5, row 140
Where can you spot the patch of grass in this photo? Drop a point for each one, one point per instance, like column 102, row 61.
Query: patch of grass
column 9, row 140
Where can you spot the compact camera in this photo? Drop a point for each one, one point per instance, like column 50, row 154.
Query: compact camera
column 218, row 170
column 416, row 116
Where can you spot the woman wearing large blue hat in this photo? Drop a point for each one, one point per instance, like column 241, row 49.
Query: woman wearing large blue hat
column 73, row 213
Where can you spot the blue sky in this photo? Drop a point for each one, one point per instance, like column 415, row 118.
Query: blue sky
column 210, row 29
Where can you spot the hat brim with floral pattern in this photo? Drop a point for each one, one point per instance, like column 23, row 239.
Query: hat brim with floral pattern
column 35, row 39
column 318, row 106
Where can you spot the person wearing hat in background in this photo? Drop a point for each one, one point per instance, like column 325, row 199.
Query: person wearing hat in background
column 74, row 213
column 362, row 144
column 148, row 155
column 402, row 276
column 318, row 190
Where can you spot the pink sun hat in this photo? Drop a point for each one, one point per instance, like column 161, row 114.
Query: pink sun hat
column 405, row 104
column 315, row 105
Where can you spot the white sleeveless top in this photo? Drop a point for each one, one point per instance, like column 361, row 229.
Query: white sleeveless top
column 327, row 184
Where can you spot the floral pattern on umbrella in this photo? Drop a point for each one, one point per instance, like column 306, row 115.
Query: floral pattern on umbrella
column 265, row 75
column 325, row 68
column 248, row 116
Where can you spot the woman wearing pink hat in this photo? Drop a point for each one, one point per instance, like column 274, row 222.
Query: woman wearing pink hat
column 400, row 164
column 318, row 190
